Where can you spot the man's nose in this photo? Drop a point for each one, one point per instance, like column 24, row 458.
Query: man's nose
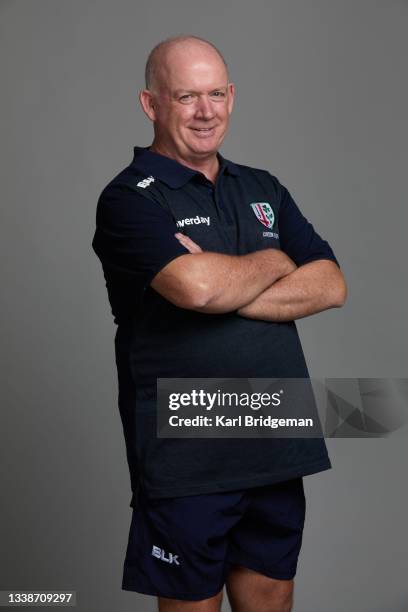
column 204, row 108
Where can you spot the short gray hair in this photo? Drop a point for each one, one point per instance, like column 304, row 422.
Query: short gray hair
column 151, row 64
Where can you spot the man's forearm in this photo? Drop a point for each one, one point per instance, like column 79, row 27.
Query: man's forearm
column 234, row 281
column 307, row 290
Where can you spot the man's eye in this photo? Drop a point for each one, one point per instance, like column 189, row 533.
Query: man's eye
column 185, row 97
column 218, row 94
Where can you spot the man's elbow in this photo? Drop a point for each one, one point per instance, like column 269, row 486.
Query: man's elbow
column 339, row 294
column 185, row 283
column 199, row 289
column 196, row 295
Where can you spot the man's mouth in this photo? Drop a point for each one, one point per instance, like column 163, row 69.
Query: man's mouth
column 204, row 132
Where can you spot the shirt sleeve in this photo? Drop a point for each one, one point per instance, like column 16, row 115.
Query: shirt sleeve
column 134, row 236
column 298, row 238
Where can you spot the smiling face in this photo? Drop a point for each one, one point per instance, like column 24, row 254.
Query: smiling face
column 190, row 102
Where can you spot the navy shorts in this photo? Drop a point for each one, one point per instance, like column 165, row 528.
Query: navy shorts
column 183, row 547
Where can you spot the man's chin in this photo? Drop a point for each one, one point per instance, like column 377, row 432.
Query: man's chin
column 205, row 149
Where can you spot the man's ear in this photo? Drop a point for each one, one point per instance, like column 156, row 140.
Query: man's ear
column 231, row 96
column 147, row 104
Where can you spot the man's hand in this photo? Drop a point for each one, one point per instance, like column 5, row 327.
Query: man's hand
column 313, row 287
column 188, row 243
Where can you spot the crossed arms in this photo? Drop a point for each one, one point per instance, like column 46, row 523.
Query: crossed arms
column 265, row 284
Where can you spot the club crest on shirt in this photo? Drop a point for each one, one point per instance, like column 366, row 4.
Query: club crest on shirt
column 264, row 213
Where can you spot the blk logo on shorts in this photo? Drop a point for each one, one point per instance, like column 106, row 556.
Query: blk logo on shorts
column 264, row 213
column 160, row 554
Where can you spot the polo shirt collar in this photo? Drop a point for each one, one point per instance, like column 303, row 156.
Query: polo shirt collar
column 171, row 171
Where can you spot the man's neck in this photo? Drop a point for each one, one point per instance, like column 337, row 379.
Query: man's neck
column 209, row 166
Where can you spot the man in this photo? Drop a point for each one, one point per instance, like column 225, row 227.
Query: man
column 207, row 265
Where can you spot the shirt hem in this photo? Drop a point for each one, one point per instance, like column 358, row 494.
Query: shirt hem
column 159, row 267
column 231, row 485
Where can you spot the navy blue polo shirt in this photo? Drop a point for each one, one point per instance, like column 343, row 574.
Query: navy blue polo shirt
column 246, row 210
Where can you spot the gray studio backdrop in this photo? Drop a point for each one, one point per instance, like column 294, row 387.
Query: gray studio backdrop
column 321, row 103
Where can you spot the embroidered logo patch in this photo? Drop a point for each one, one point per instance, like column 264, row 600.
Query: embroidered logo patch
column 264, row 213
